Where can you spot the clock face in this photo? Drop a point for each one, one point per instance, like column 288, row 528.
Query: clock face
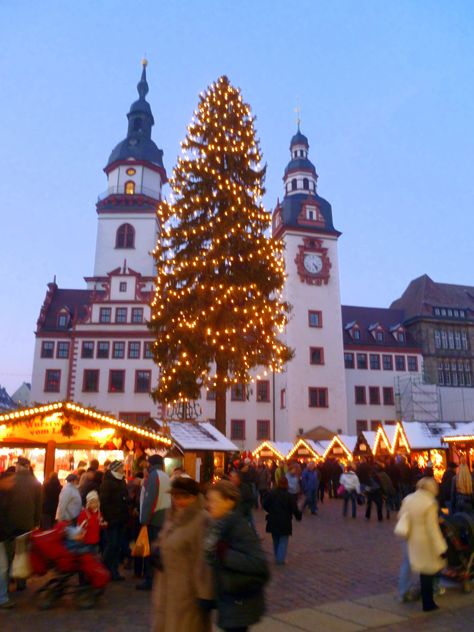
column 313, row 263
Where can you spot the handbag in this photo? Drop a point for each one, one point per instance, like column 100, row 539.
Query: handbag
column 21, row 566
column 341, row 490
column 141, row 547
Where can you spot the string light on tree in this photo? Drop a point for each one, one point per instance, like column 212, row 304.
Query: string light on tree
column 217, row 309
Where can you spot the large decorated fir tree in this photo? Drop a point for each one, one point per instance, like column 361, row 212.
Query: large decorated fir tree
column 217, row 311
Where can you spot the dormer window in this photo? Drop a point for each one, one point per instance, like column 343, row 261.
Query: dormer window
column 63, row 320
column 311, row 213
column 356, row 334
column 400, row 336
column 379, row 336
column 130, row 188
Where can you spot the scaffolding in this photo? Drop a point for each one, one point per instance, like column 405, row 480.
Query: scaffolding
column 415, row 400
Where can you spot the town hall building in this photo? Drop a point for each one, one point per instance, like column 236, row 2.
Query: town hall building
column 93, row 345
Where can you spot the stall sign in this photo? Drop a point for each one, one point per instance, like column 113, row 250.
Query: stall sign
column 337, row 450
column 51, row 428
column 302, row 451
column 266, row 453
column 363, row 447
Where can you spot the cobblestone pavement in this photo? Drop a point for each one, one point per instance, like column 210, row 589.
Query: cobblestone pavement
column 330, row 559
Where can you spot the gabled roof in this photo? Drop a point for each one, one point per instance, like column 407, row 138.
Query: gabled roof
column 366, row 317
column 425, row 435
column 279, row 448
column 422, row 294
column 75, row 302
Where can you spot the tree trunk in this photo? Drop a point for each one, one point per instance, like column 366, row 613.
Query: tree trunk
column 221, row 395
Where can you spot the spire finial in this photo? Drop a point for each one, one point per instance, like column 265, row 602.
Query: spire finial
column 298, row 113
column 142, row 85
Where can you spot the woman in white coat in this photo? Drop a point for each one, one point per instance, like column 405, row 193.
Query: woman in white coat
column 418, row 523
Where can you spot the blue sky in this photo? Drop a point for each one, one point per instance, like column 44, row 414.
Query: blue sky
column 387, row 96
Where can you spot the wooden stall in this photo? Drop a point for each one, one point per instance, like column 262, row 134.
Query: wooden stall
column 305, row 450
column 199, row 448
column 272, row 451
column 55, row 436
column 460, row 443
column 339, row 448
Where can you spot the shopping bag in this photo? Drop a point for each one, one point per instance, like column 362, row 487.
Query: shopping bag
column 142, row 545
column 21, row 566
column 341, row 490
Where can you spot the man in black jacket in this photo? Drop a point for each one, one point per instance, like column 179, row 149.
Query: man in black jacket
column 114, row 508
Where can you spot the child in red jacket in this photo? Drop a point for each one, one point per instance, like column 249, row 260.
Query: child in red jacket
column 90, row 522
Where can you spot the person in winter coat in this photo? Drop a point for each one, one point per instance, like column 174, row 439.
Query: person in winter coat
column 462, row 498
column 350, row 482
column 418, row 523
column 239, row 566
column 264, row 481
column 114, row 506
column 374, row 495
column 246, row 497
column 91, row 521
column 280, row 507
column 69, row 501
column 183, row 589
column 445, row 487
column 154, row 502
column 388, row 490
column 7, row 480
column 310, row 485
column 51, row 491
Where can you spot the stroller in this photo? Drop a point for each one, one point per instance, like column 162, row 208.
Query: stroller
column 458, row 531
column 48, row 551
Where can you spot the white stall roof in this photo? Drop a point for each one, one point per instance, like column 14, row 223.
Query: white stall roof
column 460, row 429
column 370, row 437
column 422, row 435
column 349, row 441
column 190, row 435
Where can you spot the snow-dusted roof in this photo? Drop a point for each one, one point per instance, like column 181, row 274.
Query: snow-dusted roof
column 370, row 437
column 281, row 447
column 390, row 432
column 189, row 435
column 422, row 435
column 349, row 441
column 316, row 445
column 461, row 429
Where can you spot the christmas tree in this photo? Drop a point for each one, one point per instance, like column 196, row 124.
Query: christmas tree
column 217, row 309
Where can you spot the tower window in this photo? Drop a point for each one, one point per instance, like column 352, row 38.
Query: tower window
column 129, row 187
column 137, row 124
column 125, row 236
column 294, row 184
column 305, row 183
column 301, row 153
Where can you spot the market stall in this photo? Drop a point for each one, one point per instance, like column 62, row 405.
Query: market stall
column 305, row 450
column 272, row 451
column 199, row 448
column 339, row 448
column 460, row 442
column 57, row 436
column 426, row 445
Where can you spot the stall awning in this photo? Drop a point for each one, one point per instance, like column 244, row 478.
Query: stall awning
column 71, row 426
column 461, row 433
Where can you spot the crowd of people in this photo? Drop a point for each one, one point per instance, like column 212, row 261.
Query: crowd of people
column 205, row 551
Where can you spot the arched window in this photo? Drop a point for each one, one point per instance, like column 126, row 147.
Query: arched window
column 129, row 187
column 295, row 154
column 305, row 183
column 125, row 236
column 294, row 184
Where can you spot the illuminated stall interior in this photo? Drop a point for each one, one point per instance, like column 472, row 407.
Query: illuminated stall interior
column 57, row 436
column 305, row 450
column 460, row 442
column 381, row 447
column 422, row 443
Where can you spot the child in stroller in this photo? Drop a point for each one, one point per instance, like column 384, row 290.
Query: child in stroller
column 458, row 530
column 69, row 550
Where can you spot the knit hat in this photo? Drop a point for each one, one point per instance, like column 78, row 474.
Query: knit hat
column 115, row 466
column 92, row 496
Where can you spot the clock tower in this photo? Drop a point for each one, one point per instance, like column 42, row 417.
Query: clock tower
column 311, row 391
